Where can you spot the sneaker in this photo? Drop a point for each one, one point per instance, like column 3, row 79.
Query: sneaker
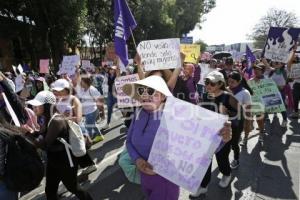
column 234, row 164
column 225, row 181
column 98, row 138
column 261, row 138
column 107, row 126
column 294, row 115
column 200, row 191
column 283, row 124
column 244, row 142
column 89, row 170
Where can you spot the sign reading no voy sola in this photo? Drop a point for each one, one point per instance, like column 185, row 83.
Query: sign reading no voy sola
column 160, row 54
column 280, row 42
column 191, row 51
column 185, row 143
column 125, row 101
column 266, row 97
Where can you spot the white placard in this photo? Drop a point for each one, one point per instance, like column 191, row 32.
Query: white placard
column 86, row 64
column 69, row 64
column 160, row 54
column 185, row 143
column 11, row 111
column 125, row 101
column 205, row 70
column 19, row 82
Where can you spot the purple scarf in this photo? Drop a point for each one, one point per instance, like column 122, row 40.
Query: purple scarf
column 237, row 89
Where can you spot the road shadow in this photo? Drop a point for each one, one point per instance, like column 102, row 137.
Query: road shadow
column 115, row 186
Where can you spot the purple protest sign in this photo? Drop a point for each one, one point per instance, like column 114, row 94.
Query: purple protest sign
column 279, row 43
column 185, row 143
column 124, row 24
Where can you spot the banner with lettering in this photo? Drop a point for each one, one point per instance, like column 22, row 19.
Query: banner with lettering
column 185, row 143
column 160, row 54
column 266, row 97
column 125, row 101
column 280, row 42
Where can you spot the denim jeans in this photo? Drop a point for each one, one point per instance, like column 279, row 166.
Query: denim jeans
column 6, row 193
column 90, row 124
column 111, row 101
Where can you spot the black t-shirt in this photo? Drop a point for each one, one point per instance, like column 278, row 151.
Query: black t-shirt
column 229, row 102
column 181, row 91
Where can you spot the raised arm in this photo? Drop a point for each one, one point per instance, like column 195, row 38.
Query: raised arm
column 138, row 61
column 173, row 80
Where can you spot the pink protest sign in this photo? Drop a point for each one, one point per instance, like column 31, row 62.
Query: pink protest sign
column 44, row 66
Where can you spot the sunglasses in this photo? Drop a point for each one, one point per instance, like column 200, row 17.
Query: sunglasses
column 149, row 91
column 207, row 82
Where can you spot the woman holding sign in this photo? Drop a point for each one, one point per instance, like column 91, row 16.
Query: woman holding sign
column 151, row 92
column 220, row 101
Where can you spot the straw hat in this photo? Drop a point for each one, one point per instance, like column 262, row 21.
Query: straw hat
column 155, row 82
column 166, row 74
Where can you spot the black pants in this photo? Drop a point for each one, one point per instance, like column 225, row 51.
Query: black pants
column 222, row 157
column 85, row 161
column 56, row 173
column 296, row 96
column 236, row 135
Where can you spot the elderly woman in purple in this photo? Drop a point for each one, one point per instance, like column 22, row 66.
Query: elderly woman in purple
column 151, row 92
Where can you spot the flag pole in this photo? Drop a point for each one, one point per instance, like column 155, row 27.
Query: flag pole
column 133, row 38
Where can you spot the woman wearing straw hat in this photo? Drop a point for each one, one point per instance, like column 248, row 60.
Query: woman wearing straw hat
column 151, row 92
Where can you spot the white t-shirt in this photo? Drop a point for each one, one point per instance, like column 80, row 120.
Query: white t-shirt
column 88, row 99
column 243, row 97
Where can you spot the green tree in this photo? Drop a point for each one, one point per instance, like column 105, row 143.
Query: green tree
column 203, row 45
column 274, row 18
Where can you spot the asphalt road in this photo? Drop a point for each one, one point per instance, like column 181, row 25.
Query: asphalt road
column 268, row 170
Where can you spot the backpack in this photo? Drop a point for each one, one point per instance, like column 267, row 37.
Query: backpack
column 24, row 169
column 76, row 140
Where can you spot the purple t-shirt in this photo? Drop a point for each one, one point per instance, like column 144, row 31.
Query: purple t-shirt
column 141, row 133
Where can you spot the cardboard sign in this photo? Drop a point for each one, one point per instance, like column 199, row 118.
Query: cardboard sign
column 11, row 111
column 280, row 42
column 205, row 70
column 185, row 143
column 44, row 66
column 19, row 82
column 160, row 54
column 125, row 101
column 69, row 64
column 191, row 51
column 266, row 97
column 20, row 68
column 86, row 64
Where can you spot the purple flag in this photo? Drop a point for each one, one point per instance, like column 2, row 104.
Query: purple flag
column 250, row 56
column 124, row 21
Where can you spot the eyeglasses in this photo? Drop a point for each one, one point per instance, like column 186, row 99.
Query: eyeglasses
column 149, row 91
column 207, row 82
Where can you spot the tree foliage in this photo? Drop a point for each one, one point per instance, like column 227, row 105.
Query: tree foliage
column 274, row 18
column 57, row 25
